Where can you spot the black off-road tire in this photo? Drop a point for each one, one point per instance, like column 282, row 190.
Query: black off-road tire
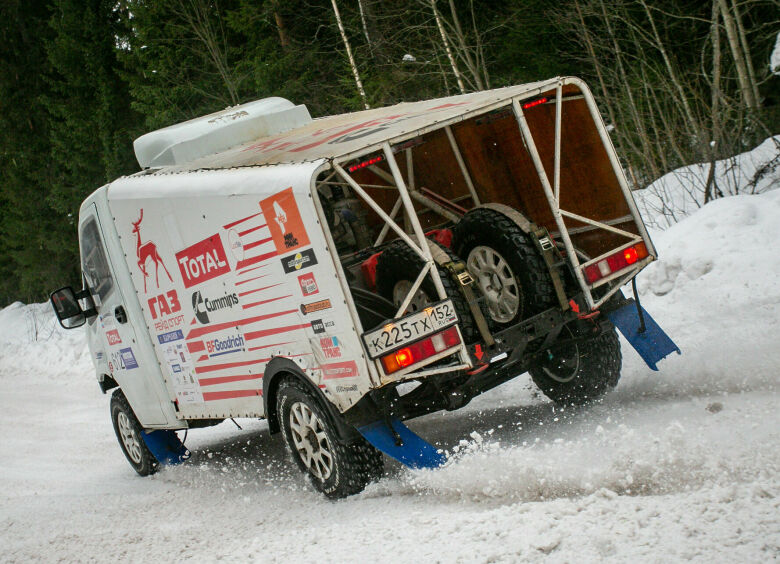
column 129, row 434
column 354, row 465
column 577, row 374
column 489, row 228
column 398, row 262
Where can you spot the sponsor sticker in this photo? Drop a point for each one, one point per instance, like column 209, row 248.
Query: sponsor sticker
column 315, row 306
column 308, row 284
column 128, row 359
column 202, row 306
column 347, row 369
column 284, row 221
column 176, row 368
column 299, row 261
column 235, row 244
column 330, row 347
column 113, row 337
column 170, row 336
column 224, row 345
column 202, row 261
column 322, row 325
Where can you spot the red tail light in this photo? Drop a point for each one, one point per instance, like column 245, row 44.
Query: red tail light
column 615, row 262
column 421, row 350
column 537, row 102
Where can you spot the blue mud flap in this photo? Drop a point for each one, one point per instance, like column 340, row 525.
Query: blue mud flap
column 415, row 452
column 166, row 447
column 652, row 344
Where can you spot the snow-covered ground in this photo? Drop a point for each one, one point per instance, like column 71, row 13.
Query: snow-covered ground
column 680, row 464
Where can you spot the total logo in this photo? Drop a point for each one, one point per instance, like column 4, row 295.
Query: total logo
column 203, row 306
column 202, row 261
column 227, row 345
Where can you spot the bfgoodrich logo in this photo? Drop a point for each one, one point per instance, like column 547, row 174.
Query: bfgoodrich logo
column 203, row 306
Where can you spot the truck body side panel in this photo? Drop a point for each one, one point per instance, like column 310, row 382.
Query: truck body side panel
column 231, row 269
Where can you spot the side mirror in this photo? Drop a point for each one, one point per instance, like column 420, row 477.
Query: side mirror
column 67, row 309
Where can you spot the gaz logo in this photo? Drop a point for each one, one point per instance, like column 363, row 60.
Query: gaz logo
column 299, row 261
column 202, row 261
column 164, row 304
column 284, row 221
column 308, row 284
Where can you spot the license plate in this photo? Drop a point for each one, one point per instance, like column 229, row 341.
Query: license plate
column 399, row 332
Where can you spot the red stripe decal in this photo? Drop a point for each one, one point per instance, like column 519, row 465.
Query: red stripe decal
column 225, row 379
column 268, row 346
column 257, row 243
column 229, row 225
column 197, row 346
column 274, row 331
column 230, row 324
column 215, row 367
column 254, row 260
column 248, row 231
column 255, row 304
column 242, row 294
column 250, row 279
column 212, row 396
column 250, row 269
column 202, row 358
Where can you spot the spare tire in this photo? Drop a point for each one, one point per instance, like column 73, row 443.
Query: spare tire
column 398, row 267
column 505, row 265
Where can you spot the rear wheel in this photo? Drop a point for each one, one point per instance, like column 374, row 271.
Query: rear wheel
column 334, row 468
column 505, row 264
column 577, row 373
column 129, row 434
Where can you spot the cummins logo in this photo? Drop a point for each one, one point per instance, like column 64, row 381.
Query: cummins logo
column 202, row 306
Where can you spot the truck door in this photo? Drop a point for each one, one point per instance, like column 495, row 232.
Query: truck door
column 129, row 363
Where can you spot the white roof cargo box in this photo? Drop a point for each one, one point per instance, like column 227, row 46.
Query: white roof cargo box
column 199, row 137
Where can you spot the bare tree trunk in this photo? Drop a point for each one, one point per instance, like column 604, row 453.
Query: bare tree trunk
column 746, row 50
column 284, row 39
column 363, row 21
column 715, row 104
column 638, row 123
column 455, row 70
column 464, row 49
column 352, row 64
column 736, row 53
column 480, row 54
column 195, row 14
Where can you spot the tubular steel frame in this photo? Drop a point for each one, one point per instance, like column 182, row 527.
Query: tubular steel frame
column 408, row 192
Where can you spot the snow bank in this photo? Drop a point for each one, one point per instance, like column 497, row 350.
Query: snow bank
column 679, row 464
column 681, row 192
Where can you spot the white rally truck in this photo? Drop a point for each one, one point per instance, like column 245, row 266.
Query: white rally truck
column 337, row 276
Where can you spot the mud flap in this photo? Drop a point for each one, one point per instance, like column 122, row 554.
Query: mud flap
column 414, row 452
column 652, row 344
column 166, row 447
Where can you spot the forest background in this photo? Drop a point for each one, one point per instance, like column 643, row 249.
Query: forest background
column 677, row 81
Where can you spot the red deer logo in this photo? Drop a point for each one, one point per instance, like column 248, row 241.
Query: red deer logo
column 145, row 251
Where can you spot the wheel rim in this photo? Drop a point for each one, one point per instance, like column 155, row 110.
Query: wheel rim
column 311, row 442
column 129, row 437
column 497, row 282
column 419, row 301
column 562, row 363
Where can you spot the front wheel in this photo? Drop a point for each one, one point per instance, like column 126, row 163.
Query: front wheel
column 129, row 434
column 578, row 372
column 334, row 468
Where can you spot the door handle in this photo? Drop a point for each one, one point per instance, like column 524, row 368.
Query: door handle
column 120, row 315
